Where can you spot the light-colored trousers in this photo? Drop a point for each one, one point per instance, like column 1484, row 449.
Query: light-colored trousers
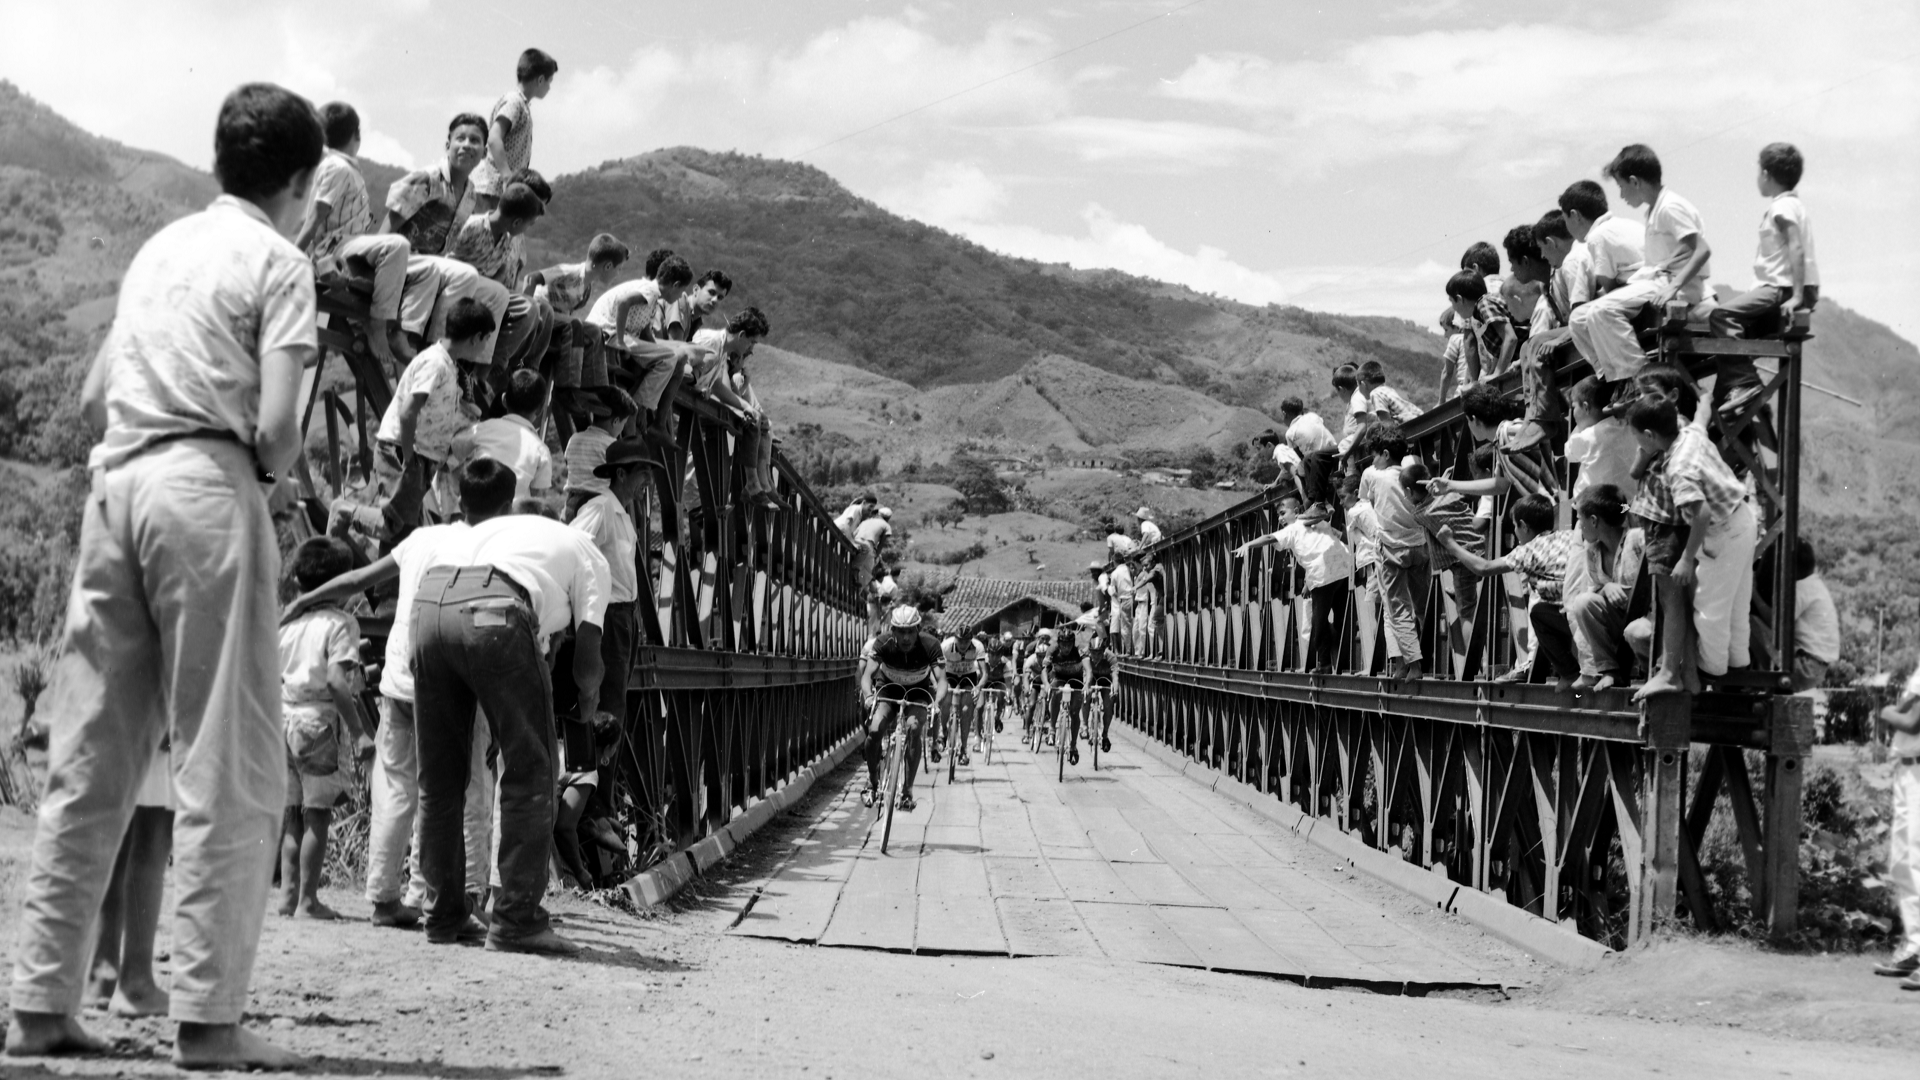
column 395, row 822
column 405, row 286
column 172, row 627
column 1903, row 849
column 458, row 281
column 1603, row 331
column 1723, row 598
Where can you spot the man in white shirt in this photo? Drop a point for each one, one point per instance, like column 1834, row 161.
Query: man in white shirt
column 626, row 313
column 1307, row 434
column 869, row 538
column 1149, row 531
column 1327, row 566
column 1120, row 623
column 1816, row 622
column 1674, row 266
column 488, row 603
column 856, row 512
column 514, row 440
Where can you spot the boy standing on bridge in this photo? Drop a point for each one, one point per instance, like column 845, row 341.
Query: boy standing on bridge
column 1382, row 400
column 1396, row 494
column 172, row 624
column 510, row 129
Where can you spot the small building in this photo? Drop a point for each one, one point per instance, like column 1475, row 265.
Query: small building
column 1001, row 604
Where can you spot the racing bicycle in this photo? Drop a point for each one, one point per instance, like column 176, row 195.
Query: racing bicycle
column 912, row 703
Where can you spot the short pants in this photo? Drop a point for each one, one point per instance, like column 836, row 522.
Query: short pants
column 317, row 792
column 1665, row 542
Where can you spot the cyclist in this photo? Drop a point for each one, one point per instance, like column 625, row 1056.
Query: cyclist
column 1066, row 661
column 1100, row 681
column 894, row 660
column 1000, row 660
column 1032, row 672
column 964, row 660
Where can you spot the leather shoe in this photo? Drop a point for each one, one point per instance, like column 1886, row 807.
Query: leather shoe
column 544, row 943
column 395, row 914
column 470, row 930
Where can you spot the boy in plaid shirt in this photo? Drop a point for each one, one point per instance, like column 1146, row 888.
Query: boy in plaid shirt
column 1541, row 558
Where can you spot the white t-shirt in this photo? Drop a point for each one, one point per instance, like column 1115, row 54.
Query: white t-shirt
column 1606, row 452
column 1671, row 220
column 872, row 531
column 1120, row 582
column 201, row 303
column 1573, row 281
column 1308, row 434
column 567, row 580
column 410, row 555
column 1617, row 247
column 1359, row 406
column 640, row 315
column 1149, row 533
column 1285, row 457
column 612, row 530
column 1362, row 524
column 1120, row 545
column 1816, row 622
column 1318, row 550
column 433, row 373
column 1770, row 264
column 511, row 441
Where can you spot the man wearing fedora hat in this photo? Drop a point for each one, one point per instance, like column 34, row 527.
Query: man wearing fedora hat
column 1149, row 532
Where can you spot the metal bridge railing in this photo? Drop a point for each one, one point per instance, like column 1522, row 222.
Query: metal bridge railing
column 1578, row 809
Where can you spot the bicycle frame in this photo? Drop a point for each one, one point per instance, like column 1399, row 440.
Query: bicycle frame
column 911, row 701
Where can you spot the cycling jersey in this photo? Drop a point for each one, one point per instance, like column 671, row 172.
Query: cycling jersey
column 962, row 658
column 1065, row 656
column 906, row 663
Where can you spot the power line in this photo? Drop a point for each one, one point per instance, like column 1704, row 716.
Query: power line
column 1003, row 77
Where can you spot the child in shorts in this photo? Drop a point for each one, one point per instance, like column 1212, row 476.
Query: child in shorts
column 319, row 701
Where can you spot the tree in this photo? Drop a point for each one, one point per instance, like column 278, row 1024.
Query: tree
column 979, row 485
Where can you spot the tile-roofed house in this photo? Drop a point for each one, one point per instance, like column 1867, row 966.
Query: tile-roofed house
column 1010, row 604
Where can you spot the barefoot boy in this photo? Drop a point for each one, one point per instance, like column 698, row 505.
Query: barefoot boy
column 171, row 624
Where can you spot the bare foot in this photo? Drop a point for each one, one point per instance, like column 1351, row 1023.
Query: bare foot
column 229, row 1046
column 1604, row 682
column 314, row 909
column 1585, row 683
column 1661, row 683
column 288, row 902
column 100, row 987
column 147, row 1000
column 1563, row 685
column 32, row 1034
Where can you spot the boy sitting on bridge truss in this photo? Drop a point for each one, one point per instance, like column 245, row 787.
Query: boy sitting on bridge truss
column 626, row 314
column 1785, row 272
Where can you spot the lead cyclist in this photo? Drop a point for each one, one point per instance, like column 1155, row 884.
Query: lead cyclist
column 895, row 660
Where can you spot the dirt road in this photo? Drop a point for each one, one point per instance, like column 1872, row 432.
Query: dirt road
column 673, row 995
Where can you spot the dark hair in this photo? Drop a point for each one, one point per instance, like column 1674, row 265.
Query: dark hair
column 1346, row 378
column 340, row 123
column 535, row 64
column 748, row 323
column 1485, row 404
column 604, row 250
column 519, row 201
column 651, row 268
column 486, row 487
column 1415, row 474
column 1350, row 485
column 526, row 391
column 1466, row 285
column 1481, row 257
column 1584, row 197
column 1805, row 565
column 869, row 497
column 1782, row 162
column 467, row 119
column 674, row 271
column 320, row 559
column 469, row 319
column 1589, row 390
column 1552, row 225
column 1292, row 406
column 1481, row 460
column 1268, row 437
column 1673, row 381
column 1385, row 437
column 618, row 401
column 266, row 135
column 533, row 507
column 718, row 277
column 1535, row 512
column 1657, row 417
column 1521, row 246
column 1636, row 161
column 1606, row 503
column 535, row 182
column 1373, row 372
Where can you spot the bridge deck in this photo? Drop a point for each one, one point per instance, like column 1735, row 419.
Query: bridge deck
column 1134, row 863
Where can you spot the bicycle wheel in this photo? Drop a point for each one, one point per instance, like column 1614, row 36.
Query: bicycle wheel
column 956, row 735
column 987, row 721
column 891, row 775
column 1063, row 732
column 1096, row 710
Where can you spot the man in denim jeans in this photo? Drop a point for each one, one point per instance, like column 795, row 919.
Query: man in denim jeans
column 489, row 601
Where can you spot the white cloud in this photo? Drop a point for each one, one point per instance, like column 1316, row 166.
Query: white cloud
column 1164, row 142
column 949, row 194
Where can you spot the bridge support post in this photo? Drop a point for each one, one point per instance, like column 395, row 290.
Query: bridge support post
column 1790, row 737
column 1662, row 803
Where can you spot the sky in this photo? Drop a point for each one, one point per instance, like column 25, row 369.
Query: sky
column 1338, row 156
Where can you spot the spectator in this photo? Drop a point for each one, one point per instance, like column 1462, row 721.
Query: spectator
column 1600, row 445
column 1119, row 544
column 856, row 512
column 627, row 313
column 1488, row 344
column 1816, row 622
column 1285, row 458
column 1615, row 246
column 1149, row 588
column 1675, row 266
column 172, row 626
column 427, row 206
column 490, row 243
column 1120, row 624
column 1540, row 556
column 337, row 234
column 1363, row 529
column 509, row 132
column 681, row 320
column 1599, row 605
column 320, row 699
column 721, row 373
column 1716, row 562
column 870, row 539
column 587, row 450
column 1545, row 409
column 1902, row 720
column 1786, row 277
column 122, row 980
column 1466, row 509
column 569, row 288
column 1346, row 384
column 1309, row 437
column 490, row 599
column 1149, row 531
column 432, row 403
column 1570, row 286
column 1383, row 400
column 1327, row 566
column 1396, row 494
column 514, row 439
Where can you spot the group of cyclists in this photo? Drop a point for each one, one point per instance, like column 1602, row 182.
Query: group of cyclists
column 967, row 682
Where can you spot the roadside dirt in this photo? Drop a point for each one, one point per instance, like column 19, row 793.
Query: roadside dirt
column 668, row 993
